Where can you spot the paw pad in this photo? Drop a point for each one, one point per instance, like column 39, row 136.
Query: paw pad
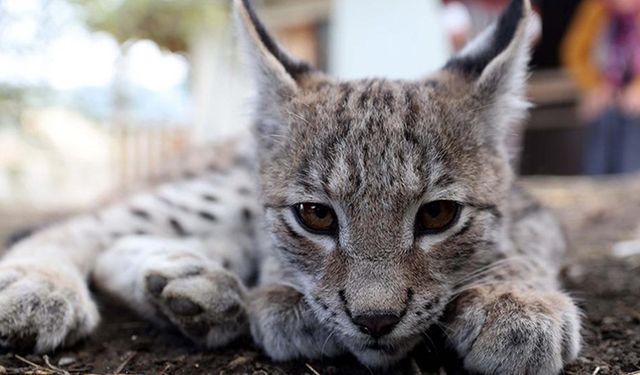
column 156, row 284
column 232, row 310
column 184, row 306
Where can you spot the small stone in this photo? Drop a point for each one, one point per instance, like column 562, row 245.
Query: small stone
column 134, row 338
column 575, row 273
column 2, row 370
column 238, row 361
column 66, row 361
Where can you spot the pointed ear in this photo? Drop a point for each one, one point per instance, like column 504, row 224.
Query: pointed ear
column 496, row 64
column 273, row 66
column 277, row 75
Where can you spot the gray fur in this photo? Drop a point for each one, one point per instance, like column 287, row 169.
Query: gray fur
column 376, row 150
column 373, row 150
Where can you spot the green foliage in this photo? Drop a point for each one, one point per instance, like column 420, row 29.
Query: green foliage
column 169, row 23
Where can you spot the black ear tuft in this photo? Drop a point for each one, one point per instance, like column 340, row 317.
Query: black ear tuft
column 476, row 61
column 295, row 68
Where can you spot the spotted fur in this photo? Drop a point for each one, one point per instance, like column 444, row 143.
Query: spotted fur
column 373, row 150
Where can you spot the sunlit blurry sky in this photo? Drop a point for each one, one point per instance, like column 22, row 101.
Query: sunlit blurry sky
column 44, row 44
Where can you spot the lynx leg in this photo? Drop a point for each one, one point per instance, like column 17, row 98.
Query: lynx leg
column 170, row 281
column 513, row 330
column 45, row 302
column 284, row 325
column 43, row 307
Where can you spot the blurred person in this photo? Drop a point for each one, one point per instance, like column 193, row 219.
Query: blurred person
column 602, row 53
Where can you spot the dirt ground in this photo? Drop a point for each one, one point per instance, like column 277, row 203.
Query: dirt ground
column 596, row 214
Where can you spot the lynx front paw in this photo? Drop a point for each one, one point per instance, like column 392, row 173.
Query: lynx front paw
column 528, row 332
column 172, row 283
column 206, row 305
column 285, row 327
column 43, row 308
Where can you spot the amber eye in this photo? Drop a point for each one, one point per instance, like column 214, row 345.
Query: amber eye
column 316, row 218
column 438, row 216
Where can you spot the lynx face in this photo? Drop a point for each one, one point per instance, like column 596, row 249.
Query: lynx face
column 380, row 202
column 382, row 195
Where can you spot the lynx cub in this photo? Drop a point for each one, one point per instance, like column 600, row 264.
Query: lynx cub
column 374, row 209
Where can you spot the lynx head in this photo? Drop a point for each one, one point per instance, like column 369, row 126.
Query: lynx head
column 382, row 196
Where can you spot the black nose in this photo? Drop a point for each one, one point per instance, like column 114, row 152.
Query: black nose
column 376, row 325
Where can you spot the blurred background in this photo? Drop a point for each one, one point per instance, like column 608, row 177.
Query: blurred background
column 97, row 95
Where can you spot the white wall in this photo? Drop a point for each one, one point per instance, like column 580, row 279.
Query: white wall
column 221, row 86
column 395, row 39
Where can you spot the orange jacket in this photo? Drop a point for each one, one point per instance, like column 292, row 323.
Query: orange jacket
column 580, row 44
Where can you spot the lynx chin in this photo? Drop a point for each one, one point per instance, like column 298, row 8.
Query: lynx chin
column 360, row 214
